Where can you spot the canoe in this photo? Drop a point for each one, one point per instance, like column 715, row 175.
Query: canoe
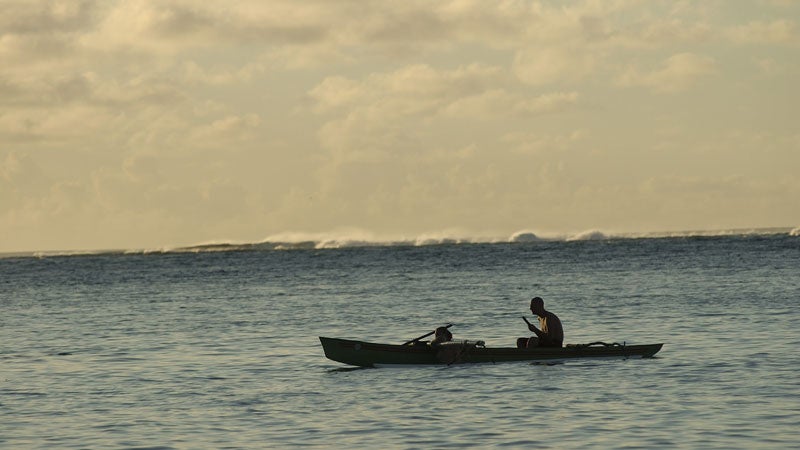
column 367, row 354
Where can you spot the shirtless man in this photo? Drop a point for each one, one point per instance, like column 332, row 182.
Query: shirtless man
column 549, row 333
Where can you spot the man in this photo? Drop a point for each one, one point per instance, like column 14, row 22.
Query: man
column 549, row 333
column 447, row 351
column 441, row 335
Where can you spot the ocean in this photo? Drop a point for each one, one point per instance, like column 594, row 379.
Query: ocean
column 217, row 346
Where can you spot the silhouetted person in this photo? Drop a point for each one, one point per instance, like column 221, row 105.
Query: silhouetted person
column 549, row 333
column 441, row 335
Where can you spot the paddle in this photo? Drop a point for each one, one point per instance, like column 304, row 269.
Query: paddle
column 424, row 335
column 531, row 325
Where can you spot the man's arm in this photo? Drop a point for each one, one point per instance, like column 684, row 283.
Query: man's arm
column 539, row 333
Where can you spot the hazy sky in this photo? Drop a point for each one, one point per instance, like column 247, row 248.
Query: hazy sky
column 144, row 124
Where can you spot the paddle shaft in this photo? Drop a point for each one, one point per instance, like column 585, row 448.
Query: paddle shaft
column 532, row 327
column 424, row 335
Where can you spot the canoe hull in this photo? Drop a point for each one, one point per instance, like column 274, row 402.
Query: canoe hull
column 366, row 354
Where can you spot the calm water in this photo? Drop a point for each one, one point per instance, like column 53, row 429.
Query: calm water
column 220, row 350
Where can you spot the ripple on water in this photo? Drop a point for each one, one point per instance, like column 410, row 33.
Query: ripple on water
column 223, row 354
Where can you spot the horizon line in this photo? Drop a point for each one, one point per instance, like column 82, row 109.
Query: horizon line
column 352, row 239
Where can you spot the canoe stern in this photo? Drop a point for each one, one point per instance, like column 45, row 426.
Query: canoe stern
column 365, row 354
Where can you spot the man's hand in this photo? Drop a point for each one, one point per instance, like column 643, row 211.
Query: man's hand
column 530, row 325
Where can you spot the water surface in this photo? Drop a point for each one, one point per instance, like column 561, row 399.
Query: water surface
column 221, row 350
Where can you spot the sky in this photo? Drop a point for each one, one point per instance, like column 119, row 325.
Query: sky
column 152, row 124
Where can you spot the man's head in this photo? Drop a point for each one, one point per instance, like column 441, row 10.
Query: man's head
column 443, row 334
column 537, row 306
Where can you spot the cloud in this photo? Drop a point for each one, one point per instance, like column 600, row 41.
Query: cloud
column 226, row 131
column 195, row 73
column 537, row 143
column 43, row 35
column 379, row 114
column 664, row 32
column 300, row 33
column 676, row 73
column 779, row 31
column 551, row 41
column 335, row 92
column 20, row 177
column 275, row 22
column 25, row 17
column 497, row 103
column 552, row 65
column 550, row 102
column 734, row 186
column 370, row 113
column 475, row 90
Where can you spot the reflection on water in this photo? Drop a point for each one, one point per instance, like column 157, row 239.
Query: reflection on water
column 347, row 369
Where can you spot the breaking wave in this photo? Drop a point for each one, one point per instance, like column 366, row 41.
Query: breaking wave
column 357, row 238
column 591, row 235
column 524, row 236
